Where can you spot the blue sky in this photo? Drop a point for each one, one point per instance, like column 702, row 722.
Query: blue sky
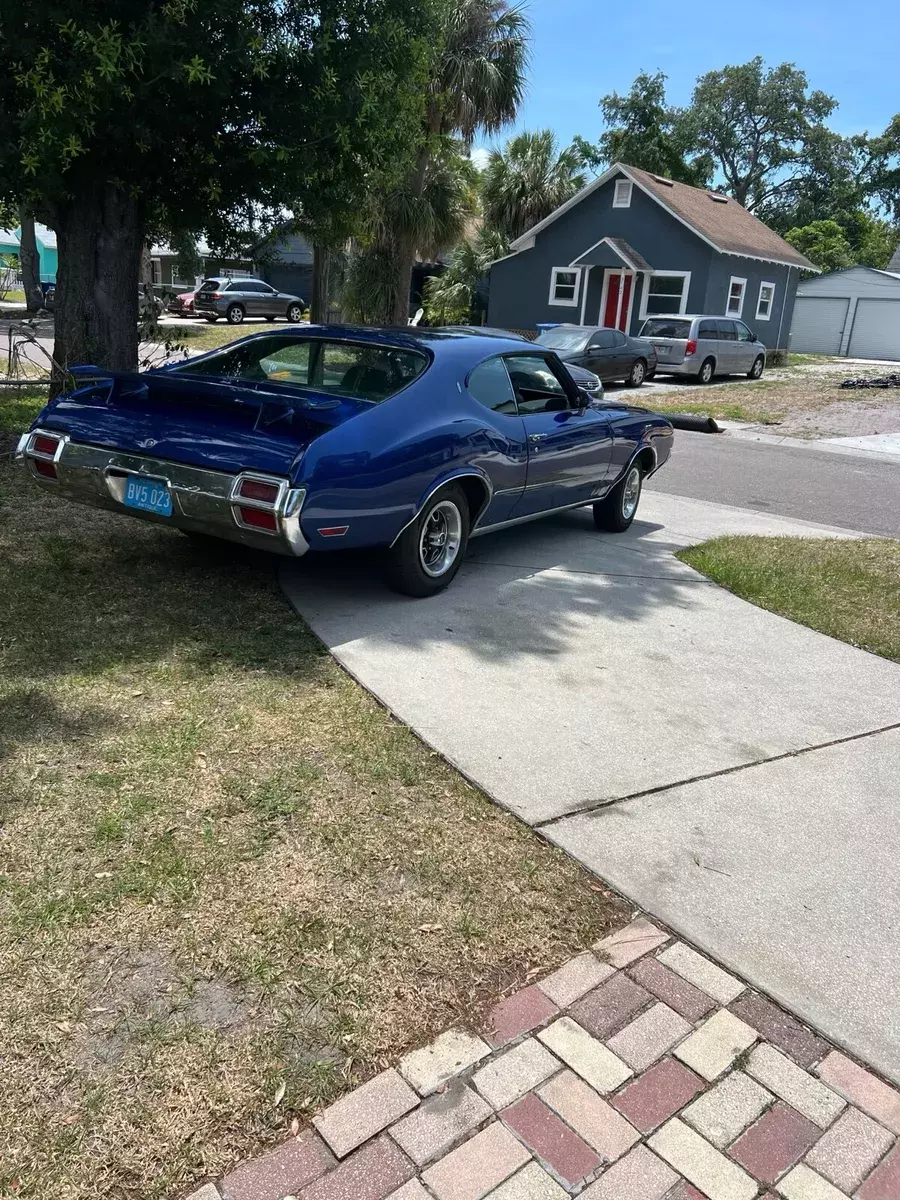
column 583, row 49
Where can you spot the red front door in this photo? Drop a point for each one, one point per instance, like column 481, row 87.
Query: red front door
column 612, row 302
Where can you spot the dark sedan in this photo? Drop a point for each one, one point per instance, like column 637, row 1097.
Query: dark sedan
column 609, row 353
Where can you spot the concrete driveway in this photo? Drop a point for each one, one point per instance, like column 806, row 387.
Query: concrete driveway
column 695, row 751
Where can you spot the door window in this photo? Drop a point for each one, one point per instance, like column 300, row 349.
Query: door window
column 490, row 385
column 707, row 330
column 603, row 339
column 743, row 333
column 537, row 387
column 727, row 331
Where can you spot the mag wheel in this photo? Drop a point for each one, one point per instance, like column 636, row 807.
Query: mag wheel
column 428, row 553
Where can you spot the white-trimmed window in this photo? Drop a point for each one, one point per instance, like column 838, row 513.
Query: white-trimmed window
column 564, row 286
column 622, row 194
column 766, row 301
column 665, row 293
column 736, row 289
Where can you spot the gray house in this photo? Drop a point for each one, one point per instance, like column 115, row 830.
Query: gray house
column 631, row 245
column 855, row 312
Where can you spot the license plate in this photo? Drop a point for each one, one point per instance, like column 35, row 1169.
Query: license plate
column 148, row 495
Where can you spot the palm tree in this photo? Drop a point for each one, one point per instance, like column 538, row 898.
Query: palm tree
column 437, row 219
column 477, row 83
column 527, row 180
column 450, row 296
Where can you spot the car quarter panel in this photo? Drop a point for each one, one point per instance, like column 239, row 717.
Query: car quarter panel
column 374, row 473
column 635, row 430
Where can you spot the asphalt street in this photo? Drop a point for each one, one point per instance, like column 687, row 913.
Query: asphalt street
column 849, row 491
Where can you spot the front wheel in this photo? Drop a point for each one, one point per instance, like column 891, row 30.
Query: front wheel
column 428, row 553
column 235, row 314
column 615, row 512
column 638, row 373
column 756, row 370
column 294, row 313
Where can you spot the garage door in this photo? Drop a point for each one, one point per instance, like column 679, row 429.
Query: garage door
column 876, row 330
column 817, row 324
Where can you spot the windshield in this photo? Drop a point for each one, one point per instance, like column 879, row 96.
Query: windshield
column 666, row 327
column 365, row 371
column 564, row 338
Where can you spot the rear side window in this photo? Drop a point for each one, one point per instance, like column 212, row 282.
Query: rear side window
column 707, row 329
column 666, row 327
column 489, row 384
column 209, row 285
column 536, row 386
column 603, row 339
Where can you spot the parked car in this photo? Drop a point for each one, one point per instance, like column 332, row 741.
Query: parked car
column 334, row 436
column 235, row 299
column 705, row 346
column 609, row 353
column 150, row 307
column 182, row 305
column 586, row 380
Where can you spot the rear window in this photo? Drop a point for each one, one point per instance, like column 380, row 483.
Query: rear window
column 365, row 371
column 564, row 338
column 666, row 327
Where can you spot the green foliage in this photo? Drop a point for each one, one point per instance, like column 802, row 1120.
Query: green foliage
column 450, row 298
column 187, row 262
column 527, row 180
column 643, row 131
column 824, row 243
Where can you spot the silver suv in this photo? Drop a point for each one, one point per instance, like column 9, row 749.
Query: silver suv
column 235, row 299
column 705, row 346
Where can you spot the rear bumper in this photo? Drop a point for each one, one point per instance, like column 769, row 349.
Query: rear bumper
column 202, row 501
column 690, row 366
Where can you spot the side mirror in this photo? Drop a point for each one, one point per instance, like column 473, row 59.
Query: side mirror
column 582, row 398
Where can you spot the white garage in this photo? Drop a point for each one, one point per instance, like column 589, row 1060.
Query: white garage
column 855, row 313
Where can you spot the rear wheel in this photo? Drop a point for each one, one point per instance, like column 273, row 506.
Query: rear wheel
column 756, row 370
column 235, row 314
column 429, row 552
column 294, row 313
column 707, row 370
column 615, row 512
column 638, row 373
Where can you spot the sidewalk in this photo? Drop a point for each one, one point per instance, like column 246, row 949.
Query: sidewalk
column 636, row 1072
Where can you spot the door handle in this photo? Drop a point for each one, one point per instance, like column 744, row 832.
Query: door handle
column 536, row 437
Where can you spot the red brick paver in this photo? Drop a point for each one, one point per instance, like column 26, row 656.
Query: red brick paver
column 775, row 1143
column 286, row 1169
column 687, row 1000
column 781, row 1029
column 610, row 1006
column 658, row 1094
column 552, row 1141
column 371, row 1173
column 518, row 1014
column 862, row 1088
column 884, row 1182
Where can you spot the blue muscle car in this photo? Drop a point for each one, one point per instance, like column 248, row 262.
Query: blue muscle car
column 334, row 436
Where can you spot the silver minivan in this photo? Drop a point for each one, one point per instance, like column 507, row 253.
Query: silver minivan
column 705, row 346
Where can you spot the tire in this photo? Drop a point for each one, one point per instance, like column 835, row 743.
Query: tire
column 615, row 512
column 270, row 318
column 212, row 320
column 294, row 313
column 759, row 365
column 637, row 374
column 707, row 370
column 235, row 314
column 415, row 566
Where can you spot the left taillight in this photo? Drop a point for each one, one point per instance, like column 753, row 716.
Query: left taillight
column 258, row 489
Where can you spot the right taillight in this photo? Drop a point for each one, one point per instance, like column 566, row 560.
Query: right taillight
column 259, row 518
column 256, row 489
column 690, row 348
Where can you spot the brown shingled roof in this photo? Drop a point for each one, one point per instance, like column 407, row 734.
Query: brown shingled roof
column 722, row 220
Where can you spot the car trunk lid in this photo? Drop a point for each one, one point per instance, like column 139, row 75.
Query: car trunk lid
column 201, row 421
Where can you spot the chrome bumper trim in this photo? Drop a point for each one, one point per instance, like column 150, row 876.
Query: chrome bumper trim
column 203, row 501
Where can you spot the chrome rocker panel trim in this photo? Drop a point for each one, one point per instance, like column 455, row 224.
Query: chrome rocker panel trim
column 203, row 501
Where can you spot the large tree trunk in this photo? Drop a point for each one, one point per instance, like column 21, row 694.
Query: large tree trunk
column 406, row 251
column 29, row 263
column 318, row 303
column 99, row 238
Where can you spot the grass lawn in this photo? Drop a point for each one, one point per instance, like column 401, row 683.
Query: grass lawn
column 13, row 297
column 208, row 337
column 230, row 884
column 847, row 588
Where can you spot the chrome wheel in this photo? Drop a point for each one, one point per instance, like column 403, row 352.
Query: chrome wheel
column 706, row 372
column 757, row 369
column 637, row 374
column 295, row 312
column 440, row 539
column 631, row 493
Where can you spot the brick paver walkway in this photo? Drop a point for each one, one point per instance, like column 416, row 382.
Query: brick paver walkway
column 638, row 1071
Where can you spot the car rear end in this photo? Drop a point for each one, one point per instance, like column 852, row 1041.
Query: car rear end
column 674, row 341
column 209, row 299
